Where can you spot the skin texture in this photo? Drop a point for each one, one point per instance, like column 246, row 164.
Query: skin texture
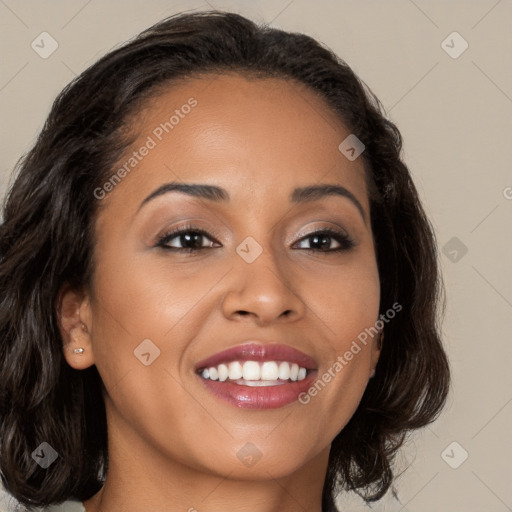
column 172, row 444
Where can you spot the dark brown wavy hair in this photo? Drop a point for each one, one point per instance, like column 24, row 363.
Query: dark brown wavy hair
column 46, row 240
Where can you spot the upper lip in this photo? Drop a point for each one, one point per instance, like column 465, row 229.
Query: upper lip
column 257, row 351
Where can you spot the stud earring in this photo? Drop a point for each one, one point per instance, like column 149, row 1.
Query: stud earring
column 80, row 350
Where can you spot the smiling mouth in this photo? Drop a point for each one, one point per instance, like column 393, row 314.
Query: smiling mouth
column 258, row 375
column 255, row 373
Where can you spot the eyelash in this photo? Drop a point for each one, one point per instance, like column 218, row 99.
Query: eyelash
column 346, row 243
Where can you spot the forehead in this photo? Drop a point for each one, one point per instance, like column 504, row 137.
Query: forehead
column 263, row 135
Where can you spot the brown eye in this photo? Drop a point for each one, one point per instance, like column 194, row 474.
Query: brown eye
column 322, row 240
column 190, row 239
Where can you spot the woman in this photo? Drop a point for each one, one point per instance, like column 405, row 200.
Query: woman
column 218, row 284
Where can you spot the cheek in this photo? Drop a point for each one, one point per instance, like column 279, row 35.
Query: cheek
column 356, row 308
column 346, row 299
column 136, row 304
column 138, row 301
column 348, row 310
column 354, row 315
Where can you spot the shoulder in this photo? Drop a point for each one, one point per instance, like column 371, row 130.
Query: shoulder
column 9, row 504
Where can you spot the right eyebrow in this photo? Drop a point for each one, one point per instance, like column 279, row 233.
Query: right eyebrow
column 205, row 191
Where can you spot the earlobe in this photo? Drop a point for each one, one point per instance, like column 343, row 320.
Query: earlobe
column 78, row 351
column 71, row 308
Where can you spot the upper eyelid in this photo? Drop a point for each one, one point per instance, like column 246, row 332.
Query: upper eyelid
column 336, row 228
column 174, row 232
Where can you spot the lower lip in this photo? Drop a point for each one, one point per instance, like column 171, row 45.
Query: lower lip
column 261, row 397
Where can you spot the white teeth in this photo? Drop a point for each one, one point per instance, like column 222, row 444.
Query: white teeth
column 235, row 370
column 284, row 371
column 223, row 372
column 251, row 370
column 269, row 371
column 254, row 373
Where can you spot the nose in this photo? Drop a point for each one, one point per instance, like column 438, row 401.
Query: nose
column 263, row 292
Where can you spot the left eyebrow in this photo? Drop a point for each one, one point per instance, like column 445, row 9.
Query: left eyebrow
column 315, row 192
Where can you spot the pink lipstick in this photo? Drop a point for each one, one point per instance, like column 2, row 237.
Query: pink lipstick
column 254, row 375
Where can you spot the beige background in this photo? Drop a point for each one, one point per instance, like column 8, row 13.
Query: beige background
column 456, row 119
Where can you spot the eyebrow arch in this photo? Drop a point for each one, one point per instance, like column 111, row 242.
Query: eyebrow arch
column 218, row 194
column 315, row 192
column 210, row 192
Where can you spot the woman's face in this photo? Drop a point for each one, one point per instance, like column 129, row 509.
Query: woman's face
column 261, row 275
